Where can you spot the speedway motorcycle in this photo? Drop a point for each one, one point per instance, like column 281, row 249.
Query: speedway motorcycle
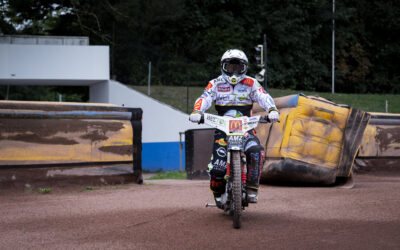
column 234, row 200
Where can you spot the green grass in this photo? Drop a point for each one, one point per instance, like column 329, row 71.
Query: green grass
column 45, row 190
column 118, row 187
column 90, row 188
column 169, row 175
column 107, row 187
column 176, row 96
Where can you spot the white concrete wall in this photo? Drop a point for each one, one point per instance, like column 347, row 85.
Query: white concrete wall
column 99, row 92
column 53, row 62
column 161, row 122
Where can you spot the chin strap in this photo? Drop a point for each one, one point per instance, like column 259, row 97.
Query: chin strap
column 234, row 80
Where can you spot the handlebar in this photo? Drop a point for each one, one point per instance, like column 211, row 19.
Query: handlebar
column 201, row 119
column 263, row 119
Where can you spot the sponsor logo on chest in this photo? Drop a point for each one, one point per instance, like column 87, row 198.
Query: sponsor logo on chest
column 242, row 90
column 224, row 88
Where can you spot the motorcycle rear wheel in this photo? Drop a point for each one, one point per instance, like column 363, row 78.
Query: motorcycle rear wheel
column 237, row 189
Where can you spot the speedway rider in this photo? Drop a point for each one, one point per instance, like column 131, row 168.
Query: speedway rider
column 234, row 92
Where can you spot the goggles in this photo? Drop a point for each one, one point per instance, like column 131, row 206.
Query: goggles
column 234, row 66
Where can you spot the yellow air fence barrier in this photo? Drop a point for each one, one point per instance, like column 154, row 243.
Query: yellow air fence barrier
column 315, row 141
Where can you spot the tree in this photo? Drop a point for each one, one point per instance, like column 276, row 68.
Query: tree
column 184, row 39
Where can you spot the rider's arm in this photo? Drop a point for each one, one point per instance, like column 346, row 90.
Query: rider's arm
column 259, row 95
column 204, row 102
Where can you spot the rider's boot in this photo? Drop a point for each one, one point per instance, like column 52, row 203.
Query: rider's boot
column 218, row 188
column 252, row 195
column 217, row 184
column 218, row 200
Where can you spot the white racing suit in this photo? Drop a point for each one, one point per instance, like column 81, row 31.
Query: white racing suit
column 239, row 97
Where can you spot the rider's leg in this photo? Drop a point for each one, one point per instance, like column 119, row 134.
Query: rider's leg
column 217, row 166
column 255, row 160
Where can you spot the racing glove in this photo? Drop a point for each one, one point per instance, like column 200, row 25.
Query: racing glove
column 195, row 117
column 273, row 116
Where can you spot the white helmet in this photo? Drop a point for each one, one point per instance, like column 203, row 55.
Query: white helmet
column 234, row 65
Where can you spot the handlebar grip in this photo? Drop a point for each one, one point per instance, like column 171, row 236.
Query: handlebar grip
column 265, row 119
column 201, row 119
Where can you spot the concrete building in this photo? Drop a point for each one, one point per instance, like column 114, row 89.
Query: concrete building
column 71, row 61
column 31, row 60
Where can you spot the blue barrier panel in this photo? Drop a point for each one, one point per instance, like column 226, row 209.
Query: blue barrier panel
column 162, row 155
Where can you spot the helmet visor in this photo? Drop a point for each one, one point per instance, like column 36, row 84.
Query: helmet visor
column 234, row 66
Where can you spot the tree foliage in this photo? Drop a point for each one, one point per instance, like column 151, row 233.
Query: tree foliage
column 184, row 39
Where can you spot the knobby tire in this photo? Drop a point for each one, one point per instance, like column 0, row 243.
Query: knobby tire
column 237, row 189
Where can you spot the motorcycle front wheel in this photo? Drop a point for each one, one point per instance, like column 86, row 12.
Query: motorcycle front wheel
column 237, row 188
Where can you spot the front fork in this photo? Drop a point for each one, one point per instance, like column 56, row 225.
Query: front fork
column 244, row 174
column 244, row 167
column 244, row 179
column 243, row 163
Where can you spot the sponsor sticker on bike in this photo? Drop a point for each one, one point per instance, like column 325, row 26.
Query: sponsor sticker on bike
column 253, row 119
column 212, row 119
column 235, row 126
column 221, row 142
column 219, row 163
column 235, row 139
column 221, row 151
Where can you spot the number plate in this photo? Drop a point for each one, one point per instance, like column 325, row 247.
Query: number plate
column 235, row 141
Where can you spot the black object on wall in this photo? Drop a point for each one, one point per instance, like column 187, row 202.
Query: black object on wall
column 198, row 150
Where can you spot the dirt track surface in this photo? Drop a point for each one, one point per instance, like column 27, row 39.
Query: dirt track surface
column 170, row 214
